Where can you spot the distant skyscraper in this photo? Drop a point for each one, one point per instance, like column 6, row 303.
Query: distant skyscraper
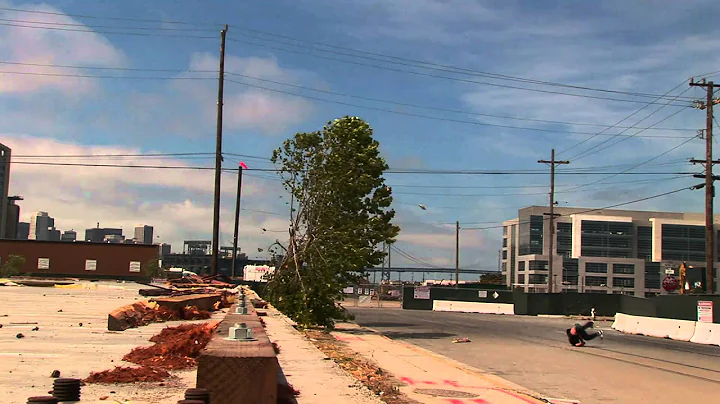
column 98, row 234
column 23, row 231
column 144, row 234
column 42, row 226
column 4, row 187
column 69, row 235
column 13, row 217
column 165, row 249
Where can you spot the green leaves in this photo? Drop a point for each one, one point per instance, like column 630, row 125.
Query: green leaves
column 342, row 215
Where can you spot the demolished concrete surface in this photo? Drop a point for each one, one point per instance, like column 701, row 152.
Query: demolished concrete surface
column 71, row 336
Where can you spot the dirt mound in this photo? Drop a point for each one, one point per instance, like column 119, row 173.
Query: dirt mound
column 175, row 347
column 128, row 375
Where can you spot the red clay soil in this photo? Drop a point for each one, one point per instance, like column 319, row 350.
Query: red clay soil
column 175, row 347
column 128, row 375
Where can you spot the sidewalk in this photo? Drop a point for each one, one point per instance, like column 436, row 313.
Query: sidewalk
column 307, row 369
column 431, row 378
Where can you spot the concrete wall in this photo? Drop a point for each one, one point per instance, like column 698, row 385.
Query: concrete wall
column 70, row 259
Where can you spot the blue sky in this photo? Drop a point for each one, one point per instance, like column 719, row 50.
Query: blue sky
column 637, row 47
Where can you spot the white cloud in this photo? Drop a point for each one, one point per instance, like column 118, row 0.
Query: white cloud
column 178, row 203
column 41, row 46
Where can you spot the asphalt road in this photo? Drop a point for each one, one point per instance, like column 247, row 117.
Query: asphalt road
column 534, row 352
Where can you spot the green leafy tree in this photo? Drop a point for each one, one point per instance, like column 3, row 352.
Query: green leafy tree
column 340, row 213
column 492, row 279
column 152, row 268
column 12, row 266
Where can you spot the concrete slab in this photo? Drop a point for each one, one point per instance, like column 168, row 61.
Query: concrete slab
column 319, row 381
column 61, row 343
column 431, row 378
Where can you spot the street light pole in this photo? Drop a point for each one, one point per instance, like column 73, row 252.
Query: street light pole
column 457, row 253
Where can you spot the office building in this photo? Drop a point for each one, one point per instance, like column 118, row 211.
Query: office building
column 23, row 231
column 144, row 234
column 13, row 217
column 42, row 227
column 115, row 238
column 165, row 249
column 4, row 188
column 69, row 235
column 603, row 251
column 197, row 247
column 98, row 234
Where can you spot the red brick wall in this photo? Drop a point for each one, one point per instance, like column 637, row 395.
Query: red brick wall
column 69, row 258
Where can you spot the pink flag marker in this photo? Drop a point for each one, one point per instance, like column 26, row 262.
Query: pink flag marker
column 243, row 165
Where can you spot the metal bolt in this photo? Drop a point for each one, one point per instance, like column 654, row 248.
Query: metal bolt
column 240, row 332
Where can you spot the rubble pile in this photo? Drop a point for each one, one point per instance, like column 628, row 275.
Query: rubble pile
column 128, row 375
column 175, row 348
column 139, row 314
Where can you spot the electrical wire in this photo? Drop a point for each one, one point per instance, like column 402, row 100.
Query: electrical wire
column 89, row 76
column 108, row 18
column 596, row 209
column 144, row 34
column 456, row 79
column 412, row 258
column 402, row 104
column 616, row 123
column 476, row 123
column 5, row 62
column 64, row 24
column 590, row 151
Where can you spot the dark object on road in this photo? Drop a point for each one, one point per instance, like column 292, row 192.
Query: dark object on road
column 36, row 329
column 55, row 374
column 459, row 340
column 0, row 325
column 42, row 399
column 20, row 335
column 80, row 324
column 191, row 402
column 66, row 389
column 201, row 395
column 577, row 334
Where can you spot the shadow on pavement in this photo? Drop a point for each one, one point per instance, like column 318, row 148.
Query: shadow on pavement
column 417, row 335
column 386, row 324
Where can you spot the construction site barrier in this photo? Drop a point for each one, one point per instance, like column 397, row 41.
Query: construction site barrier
column 474, row 307
column 679, row 330
column 706, row 333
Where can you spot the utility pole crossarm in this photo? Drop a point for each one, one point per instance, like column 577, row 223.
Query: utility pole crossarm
column 551, row 248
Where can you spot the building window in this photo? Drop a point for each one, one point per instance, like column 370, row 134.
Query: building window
column 504, row 242
column 683, row 242
column 606, row 239
column 595, row 281
column 537, row 279
column 644, row 241
column 596, row 267
column 652, row 275
column 521, row 265
column 624, row 269
column 503, row 266
column 624, row 282
column 564, row 238
column 43, row 263
column 91, row 265
column 531, row 236
column 521, row 279
column 538, row 265
column 504, row 254
column 134, row 266
column 504, row 230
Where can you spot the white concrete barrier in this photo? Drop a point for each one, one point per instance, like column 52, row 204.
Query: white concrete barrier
column 706, row 333
column 474, row 307
column 681, row 330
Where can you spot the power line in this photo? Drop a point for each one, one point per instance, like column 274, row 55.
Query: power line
column 433, row 108
column 597, row 209
column 63, row 24
column 589, row 151
column 457, row 79
column 109, row 18
column 5, row 62
column 423, row 116
column 89, row 76
column 87, row 31
column 617, row 123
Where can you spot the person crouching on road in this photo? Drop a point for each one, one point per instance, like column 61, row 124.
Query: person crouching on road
column 577, row 334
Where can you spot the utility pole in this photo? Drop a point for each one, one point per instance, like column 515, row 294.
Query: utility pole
column 457, row 253
column 552, row 162
column 709, row 179
column 218, row 156
column 237, row 216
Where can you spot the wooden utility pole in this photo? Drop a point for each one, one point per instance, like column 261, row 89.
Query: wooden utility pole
column 237, row 217
column 457, row 253
column 218, row 156
column 552, row 162
column 709, row 179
